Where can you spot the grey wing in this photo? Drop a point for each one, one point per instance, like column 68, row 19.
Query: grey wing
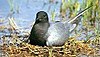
column 57, row 34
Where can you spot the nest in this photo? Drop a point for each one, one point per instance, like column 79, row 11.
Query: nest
column 72, row 48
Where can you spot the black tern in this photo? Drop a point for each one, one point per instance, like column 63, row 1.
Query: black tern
column 45, row 34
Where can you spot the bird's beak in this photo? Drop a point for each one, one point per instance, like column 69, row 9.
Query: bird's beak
column 40, row 19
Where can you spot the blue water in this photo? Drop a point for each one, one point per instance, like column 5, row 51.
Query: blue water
column 25, row 10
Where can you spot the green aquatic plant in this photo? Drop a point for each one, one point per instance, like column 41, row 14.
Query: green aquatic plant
column 53, row 15
column 11, row 4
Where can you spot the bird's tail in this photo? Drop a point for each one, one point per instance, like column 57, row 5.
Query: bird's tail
column 77, row 18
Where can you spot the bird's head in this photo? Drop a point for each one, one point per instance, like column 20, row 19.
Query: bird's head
column 41, row 16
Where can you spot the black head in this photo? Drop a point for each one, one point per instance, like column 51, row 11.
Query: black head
column 41, row 16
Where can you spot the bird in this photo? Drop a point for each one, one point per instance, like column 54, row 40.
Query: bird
column 45, row 34
column 39, row 29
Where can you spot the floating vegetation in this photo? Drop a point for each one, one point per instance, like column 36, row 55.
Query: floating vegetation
column 72, row 48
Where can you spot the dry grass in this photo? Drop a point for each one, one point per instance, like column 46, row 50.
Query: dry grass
column 72, row 48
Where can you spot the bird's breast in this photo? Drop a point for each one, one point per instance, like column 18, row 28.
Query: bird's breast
column 41, row 29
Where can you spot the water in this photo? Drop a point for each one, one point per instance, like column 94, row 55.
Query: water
column 25, row 10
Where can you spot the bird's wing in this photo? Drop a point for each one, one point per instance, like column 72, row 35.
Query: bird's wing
column 57, row 34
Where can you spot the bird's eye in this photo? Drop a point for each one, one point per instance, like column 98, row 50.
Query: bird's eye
column 45, row 16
